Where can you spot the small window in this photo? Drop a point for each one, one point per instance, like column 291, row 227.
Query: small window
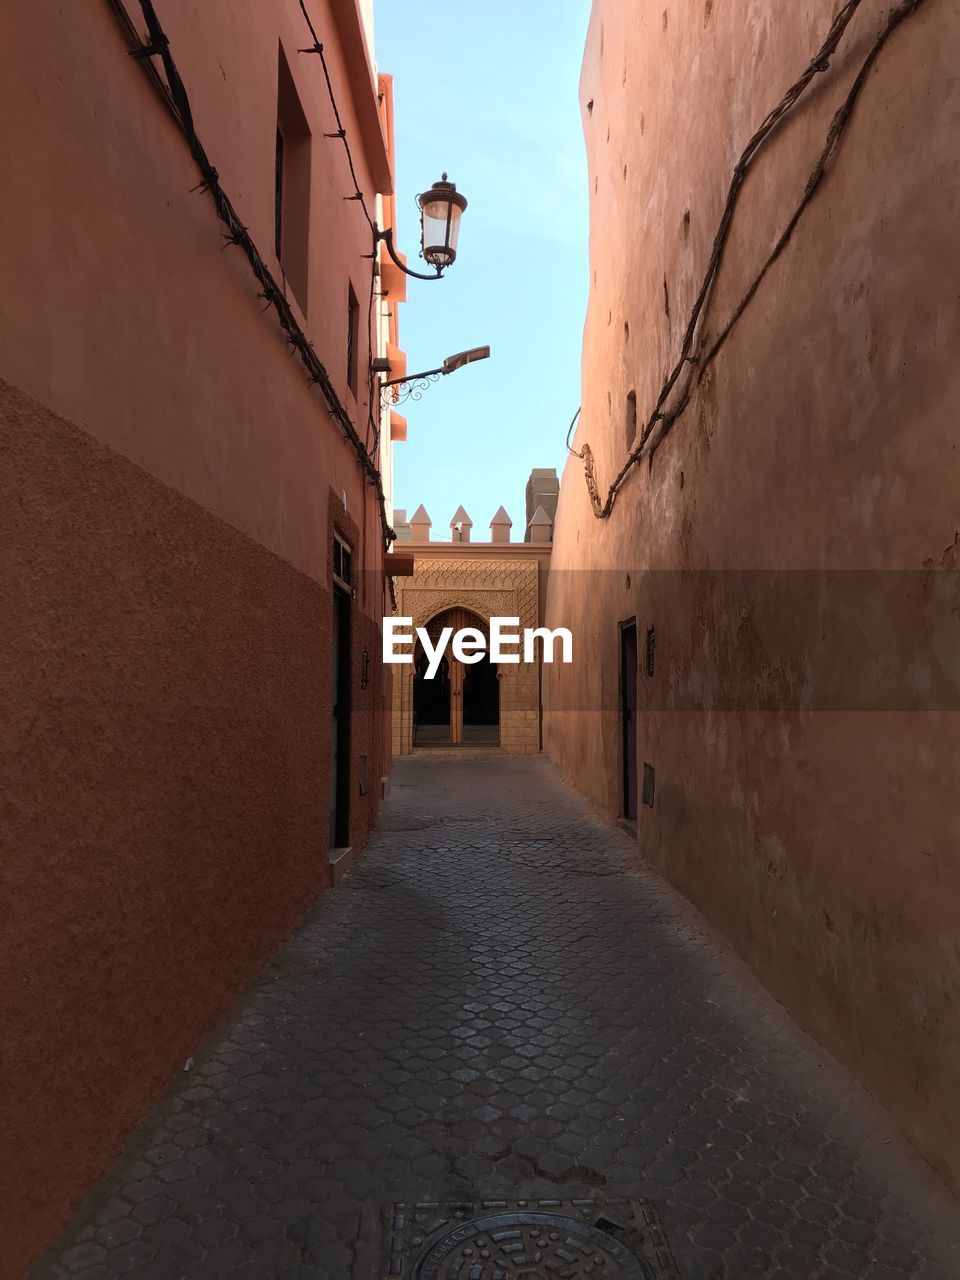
column 278, row 200
column 631, row 418
column 353, row 340
column 342, row 562
column 292, row 185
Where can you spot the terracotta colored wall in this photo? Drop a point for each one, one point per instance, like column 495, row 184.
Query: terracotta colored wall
column 806, row 744
column 119, row 309
column 164, row 763
column 370, row 695
column 170, row 487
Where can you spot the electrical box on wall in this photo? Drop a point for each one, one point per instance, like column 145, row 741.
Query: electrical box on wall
column 649, row 785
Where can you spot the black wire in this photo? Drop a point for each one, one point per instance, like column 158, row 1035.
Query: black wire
column 341, row 131
column 238, row 235
column 373, row 417
column 373, row 414
column 576, row 417
column 661, row 416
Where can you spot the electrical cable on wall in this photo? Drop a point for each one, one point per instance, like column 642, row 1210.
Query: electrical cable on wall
column 573, row 422
column 175, row 94
column 341, row 132
column 698, row 363
column 341, row 135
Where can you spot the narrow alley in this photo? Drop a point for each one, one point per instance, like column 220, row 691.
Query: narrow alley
column 501, row 1003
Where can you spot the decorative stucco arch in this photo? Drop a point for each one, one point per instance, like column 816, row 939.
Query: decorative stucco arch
column 488, row 589
column 468, row 607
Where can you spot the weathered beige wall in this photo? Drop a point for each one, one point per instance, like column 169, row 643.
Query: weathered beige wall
column 813, row 813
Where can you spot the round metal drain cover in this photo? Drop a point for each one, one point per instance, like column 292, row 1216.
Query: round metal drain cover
column 528, row 1246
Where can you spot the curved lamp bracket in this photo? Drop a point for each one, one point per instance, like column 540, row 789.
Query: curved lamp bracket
column 387, row 238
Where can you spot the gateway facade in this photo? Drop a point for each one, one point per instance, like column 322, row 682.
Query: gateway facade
column 462, row 584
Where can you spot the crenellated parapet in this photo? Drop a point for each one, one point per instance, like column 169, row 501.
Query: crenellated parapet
column 538, row 526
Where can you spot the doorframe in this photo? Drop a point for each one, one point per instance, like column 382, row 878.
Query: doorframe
column 456, row 672
column 342, row 622
column 339, row 835
column 627, row 625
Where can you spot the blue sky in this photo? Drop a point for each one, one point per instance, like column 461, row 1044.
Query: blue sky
column 489, row 93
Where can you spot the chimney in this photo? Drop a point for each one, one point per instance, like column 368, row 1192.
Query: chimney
column 500, row 527
column 460, row 526
column 543, row 491
column 420, row 524
column 401, row 526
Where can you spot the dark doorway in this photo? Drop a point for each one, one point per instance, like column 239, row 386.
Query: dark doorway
column 340, row 729
column 481, row 704
column 460, row 706
column 431, row 704
column 628, row 688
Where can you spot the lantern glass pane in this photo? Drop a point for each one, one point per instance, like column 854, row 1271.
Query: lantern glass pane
column 439, row 239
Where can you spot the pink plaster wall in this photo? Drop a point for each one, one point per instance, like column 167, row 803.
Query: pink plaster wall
column 119, row 309
column 170, row 490
column 822, row 838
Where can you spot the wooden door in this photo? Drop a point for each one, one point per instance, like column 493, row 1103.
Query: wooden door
column 456, row 702
column 458, row 620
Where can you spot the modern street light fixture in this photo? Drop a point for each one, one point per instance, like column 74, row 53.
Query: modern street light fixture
column 417, row 383
column 441, row 208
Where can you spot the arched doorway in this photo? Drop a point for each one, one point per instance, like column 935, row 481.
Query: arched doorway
column 460, row 706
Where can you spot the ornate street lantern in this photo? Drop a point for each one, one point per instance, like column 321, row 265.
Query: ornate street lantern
column 442, row 207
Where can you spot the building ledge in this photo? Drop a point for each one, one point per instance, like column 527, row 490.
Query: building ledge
column 364, row 91
column 476, row 550
column 399, row 566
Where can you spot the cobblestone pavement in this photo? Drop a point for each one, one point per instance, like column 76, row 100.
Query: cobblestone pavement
column 500, row 1001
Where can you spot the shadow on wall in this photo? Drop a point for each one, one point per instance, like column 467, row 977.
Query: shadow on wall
column 163, row 709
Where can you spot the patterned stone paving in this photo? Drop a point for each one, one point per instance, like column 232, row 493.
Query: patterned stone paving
column 500, row 1002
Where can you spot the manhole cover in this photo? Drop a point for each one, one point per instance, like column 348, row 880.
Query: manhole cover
column 528, row 1240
